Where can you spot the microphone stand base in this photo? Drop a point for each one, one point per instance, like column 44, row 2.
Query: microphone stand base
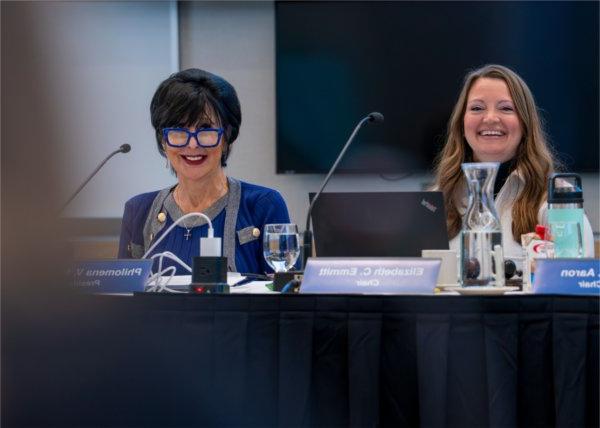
column 282, row 279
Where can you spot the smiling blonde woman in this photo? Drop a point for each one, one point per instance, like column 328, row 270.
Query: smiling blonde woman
column 495, row 119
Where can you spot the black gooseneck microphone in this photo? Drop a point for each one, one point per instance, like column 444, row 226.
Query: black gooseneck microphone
column 125, row 148
column 374, row 117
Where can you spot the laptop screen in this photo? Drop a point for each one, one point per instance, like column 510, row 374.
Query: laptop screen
column 380, row 224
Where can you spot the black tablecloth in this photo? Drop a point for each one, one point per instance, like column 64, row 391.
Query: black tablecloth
column 301, row 360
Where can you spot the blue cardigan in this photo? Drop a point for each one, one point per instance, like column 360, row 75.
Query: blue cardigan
column 238, row 218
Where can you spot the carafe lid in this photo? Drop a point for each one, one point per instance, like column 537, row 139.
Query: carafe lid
column 565, row 188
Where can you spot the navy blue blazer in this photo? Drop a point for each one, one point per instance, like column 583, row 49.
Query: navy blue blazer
column 241, row 229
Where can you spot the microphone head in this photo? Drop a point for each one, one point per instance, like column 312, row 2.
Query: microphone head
column 375, row 117
column 125, row 148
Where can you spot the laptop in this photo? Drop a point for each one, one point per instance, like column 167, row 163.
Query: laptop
column 379, row 224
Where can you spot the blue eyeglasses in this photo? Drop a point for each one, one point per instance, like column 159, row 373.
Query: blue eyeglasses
column 180, row 137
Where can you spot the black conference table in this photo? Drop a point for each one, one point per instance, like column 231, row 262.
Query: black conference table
column 309, row 360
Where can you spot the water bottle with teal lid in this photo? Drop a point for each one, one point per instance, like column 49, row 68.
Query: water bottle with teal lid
column 565, row 214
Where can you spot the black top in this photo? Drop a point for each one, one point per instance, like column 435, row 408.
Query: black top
column 503, row 172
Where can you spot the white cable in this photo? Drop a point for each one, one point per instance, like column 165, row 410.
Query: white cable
column 170, row 255
column 156, row 277
column 211, row 232
column 158, row 287
column 163, row 287
column 149, row 286
column 173, row 270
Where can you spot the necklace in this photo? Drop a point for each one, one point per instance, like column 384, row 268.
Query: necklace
column 178, row 201
column 188, row 233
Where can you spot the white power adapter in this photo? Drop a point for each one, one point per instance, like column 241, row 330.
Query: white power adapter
column 210, row 246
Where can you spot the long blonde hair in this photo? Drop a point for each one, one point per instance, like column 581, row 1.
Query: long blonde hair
column 534, row 159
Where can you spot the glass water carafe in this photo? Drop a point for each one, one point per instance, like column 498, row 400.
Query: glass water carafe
column 481, row 234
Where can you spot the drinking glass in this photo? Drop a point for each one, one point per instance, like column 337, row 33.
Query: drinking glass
column 281, row 246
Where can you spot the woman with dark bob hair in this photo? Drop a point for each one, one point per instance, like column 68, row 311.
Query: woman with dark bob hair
column 196, row 116
column 496, row 120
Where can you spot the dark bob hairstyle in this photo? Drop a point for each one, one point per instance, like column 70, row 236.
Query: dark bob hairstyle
column 192, row 97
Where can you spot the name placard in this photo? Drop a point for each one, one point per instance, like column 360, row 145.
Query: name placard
column 111, row 276
column 370, row 275
column 567, row 276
